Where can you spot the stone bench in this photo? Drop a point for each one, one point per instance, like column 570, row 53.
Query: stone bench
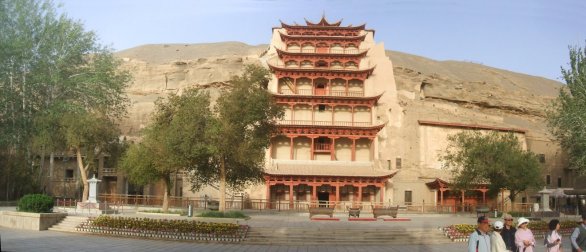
column 321, row 211
column 385, row 211
column 353, row 212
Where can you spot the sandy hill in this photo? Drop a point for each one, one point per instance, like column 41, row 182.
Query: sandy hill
column 164, row 53
column 518, row 100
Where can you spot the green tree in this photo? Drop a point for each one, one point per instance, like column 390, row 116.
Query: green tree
column 56, row 77
column 566, row 116
column 495, row 158
column 176, row 130
column 245, row 119
column 224, row 145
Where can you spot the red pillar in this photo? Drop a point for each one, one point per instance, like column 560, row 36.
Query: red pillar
column 337, row 193
column 360, row 193
column 268, row 194
column 312, row 146
column 291, row 149
column 463, row 199
column 352, row 112
column 295, row 86
column 314, row 193
column 347, row 87
column 290, row 194
column 442, row 196
column 333, row 149
column 371, row 149
column 382, row 193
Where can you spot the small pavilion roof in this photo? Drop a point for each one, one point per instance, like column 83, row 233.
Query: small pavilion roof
column 323, row 22
column 440, row 183
column 437, row 183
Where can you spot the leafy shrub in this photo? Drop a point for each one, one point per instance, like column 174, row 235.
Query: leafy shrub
column 36, row 203
column 465, row 228
column 230, row 214
column 165, row 225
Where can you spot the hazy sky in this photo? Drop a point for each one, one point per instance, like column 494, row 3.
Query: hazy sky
column 528, row 36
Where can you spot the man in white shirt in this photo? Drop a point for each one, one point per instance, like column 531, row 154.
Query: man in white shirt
column 479, row 240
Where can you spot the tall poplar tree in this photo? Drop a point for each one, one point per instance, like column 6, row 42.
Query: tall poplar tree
column 567, row 115
column 60, row 89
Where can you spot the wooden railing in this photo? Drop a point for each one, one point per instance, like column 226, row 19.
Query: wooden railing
column 326, row 50
column 324, row 123
column 323, row 92
column 322, row 146
column 109, row 170
column 124, row 201
column 278, row 63
column 237, row 203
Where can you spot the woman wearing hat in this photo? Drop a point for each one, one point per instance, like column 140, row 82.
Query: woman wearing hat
column 553, row 240
column 497, row 244
column 524, row 238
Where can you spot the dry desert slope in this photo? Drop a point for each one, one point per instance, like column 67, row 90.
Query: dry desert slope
column 461, row 90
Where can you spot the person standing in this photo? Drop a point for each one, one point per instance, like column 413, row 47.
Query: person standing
column 479, row 240
column 496, row 240
column 553, row 239
column 524, row 238
column 578, row 237
column 508, row 232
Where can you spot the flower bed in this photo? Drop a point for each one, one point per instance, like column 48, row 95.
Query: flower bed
column 460, row 232
column 165, row 229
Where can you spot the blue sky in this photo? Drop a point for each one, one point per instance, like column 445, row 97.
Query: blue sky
column 527, row 36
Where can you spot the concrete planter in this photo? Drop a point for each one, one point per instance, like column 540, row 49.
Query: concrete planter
column 30, row 221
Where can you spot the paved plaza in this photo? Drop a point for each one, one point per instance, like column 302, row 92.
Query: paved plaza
column 19, row 240
column 22, row 240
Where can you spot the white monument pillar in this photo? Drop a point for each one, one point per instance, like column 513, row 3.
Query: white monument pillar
column 545, row 199
column 93, row 195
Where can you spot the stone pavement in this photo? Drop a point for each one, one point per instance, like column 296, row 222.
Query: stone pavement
column 21, row 240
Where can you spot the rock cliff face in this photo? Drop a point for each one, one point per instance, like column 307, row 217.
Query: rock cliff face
column 427, row 89
column 162, row 69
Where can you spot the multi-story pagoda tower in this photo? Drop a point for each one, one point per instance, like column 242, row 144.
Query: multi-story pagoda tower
column 326, row 145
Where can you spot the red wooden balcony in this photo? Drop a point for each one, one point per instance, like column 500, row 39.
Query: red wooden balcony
column 326, row 50
column 323, row 92
column 325, row 123
column 322, row 147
